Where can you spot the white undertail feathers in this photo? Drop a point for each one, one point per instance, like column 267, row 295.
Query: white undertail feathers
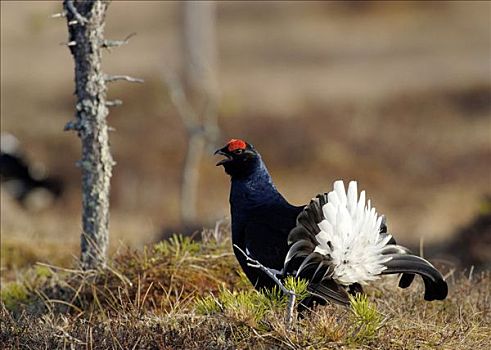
column 350, row 235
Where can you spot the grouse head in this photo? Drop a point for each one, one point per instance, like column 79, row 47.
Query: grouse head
column 241, row 158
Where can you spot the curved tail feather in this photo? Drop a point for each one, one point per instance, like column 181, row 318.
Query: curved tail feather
column 435, row 286
column 297, row 252
column 312, row 257
column 406, row 280
column 328, row 290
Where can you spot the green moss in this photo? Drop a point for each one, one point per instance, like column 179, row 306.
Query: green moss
column 43, row 272
column 14, row 294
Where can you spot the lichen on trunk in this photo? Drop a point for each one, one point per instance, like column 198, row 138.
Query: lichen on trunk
column 86, row 27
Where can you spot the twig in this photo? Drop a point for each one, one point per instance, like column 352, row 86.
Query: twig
column 110, row 78
column 80, row 19
column 115, row 43
column 70, row 43
column 450, row 273
column 114, row 103
column 61, row 268
column 59, row 15
column 72, row 125
column 291, row 294
column 210, row 256
column 216, row 231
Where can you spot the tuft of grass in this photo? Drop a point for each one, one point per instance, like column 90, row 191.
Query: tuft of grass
column 243, row 281
column 274, row 298
column 366, row 319
column 42, row 271
column 178, row 246
column 298, row 286
column 207, row 305
column 248, row 305
column 14, row 295
column 251, row 306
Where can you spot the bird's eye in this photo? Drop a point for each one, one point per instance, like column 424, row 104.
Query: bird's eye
column 239, row 151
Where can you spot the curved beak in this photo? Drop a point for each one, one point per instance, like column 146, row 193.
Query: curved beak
column 223, row 152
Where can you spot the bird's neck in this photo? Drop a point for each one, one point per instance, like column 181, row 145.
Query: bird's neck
column 256, row 189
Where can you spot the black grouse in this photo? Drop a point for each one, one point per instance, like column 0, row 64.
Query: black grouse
column 16, row 174
column 336, row 242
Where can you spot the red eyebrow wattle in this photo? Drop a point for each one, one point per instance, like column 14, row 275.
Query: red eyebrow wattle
column 236, row 144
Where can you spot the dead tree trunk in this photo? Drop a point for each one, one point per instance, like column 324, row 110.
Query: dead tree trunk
column 199, row 57
column 199, row 50
column 86, row 27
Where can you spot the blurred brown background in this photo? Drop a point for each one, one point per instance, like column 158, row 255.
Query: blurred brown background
column 395, row 95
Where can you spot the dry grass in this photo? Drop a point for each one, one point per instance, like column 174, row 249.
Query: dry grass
column 188, row 295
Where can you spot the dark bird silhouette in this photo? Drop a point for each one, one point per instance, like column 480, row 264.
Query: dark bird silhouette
column 16, row 174
column 261, row 217
column 337, row 257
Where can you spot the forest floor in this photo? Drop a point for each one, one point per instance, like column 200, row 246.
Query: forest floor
column 181, row 294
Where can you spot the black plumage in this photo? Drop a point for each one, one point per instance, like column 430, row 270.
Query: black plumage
column 282, row 236
column 261, row 217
